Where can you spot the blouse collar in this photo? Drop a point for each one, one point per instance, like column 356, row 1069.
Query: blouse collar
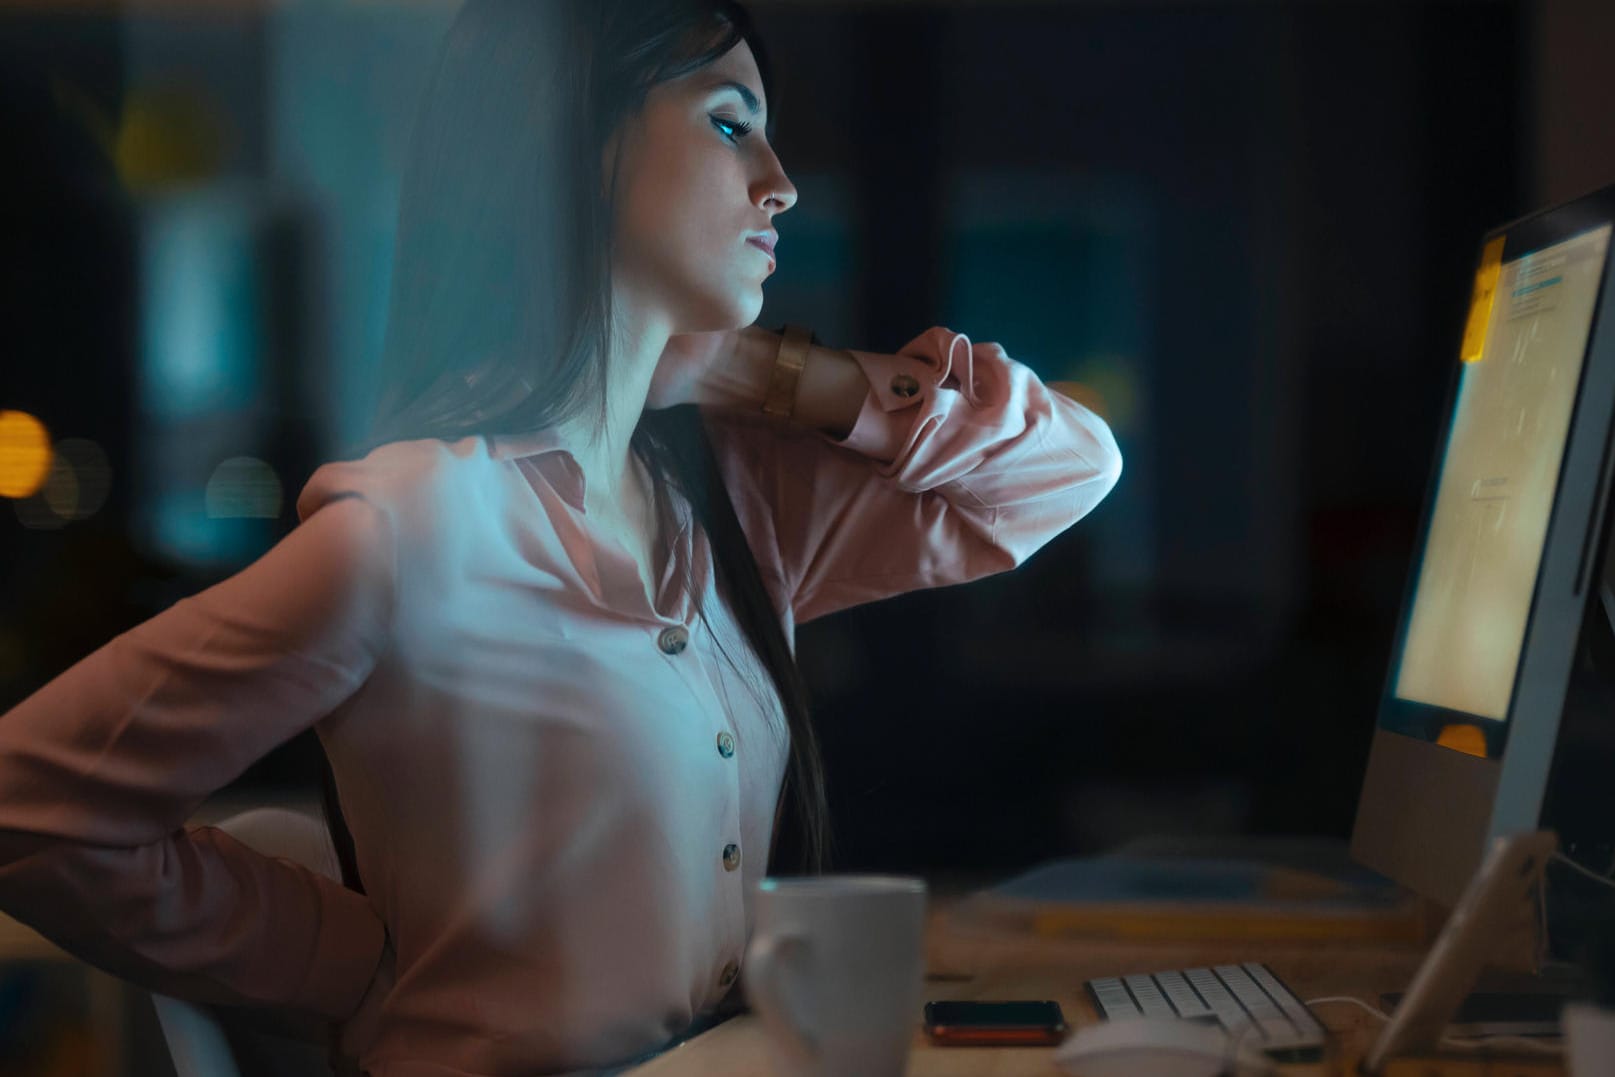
column 549, row 454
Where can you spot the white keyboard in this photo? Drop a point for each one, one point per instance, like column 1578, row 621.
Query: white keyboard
column 1234, row 996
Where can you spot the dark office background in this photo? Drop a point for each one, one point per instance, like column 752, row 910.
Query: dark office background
column 1249, row 226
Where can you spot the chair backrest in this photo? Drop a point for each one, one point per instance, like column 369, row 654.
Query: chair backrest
column 202, row 1040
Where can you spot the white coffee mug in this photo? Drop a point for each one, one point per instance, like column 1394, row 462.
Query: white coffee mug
column 836, row 972
column 1589, row 1039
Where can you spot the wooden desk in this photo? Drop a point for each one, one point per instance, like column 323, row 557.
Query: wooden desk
column 968, row 961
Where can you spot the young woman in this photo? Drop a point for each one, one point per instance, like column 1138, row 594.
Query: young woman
column 542, row 621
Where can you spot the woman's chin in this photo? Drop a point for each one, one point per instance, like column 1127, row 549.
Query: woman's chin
column 740, row 311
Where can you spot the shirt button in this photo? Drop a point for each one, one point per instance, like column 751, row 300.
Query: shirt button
column 731, row 857
column 726, row 745
column 905, row 385
column 730, row 971
column 673, row 640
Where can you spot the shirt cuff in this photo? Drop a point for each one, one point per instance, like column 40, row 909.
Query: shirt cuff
column 898, row 384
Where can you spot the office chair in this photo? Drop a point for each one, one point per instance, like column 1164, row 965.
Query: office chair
column 202, row 1040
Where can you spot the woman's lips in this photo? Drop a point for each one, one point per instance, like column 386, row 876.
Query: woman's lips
column 760, row 245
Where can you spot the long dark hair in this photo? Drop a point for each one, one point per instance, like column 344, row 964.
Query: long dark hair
column 500, row 313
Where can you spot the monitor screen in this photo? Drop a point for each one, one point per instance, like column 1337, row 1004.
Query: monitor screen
column 1499, row 472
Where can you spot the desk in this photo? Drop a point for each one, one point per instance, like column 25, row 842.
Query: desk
column 968, row 961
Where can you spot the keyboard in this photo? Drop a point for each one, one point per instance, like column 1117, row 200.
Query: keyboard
column 1233, row 996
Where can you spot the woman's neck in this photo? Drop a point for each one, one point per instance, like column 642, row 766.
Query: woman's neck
column 605, row 452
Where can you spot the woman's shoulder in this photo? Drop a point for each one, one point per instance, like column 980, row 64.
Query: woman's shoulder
column 403, row 479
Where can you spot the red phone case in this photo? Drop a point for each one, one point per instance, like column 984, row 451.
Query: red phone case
column 958, row 1036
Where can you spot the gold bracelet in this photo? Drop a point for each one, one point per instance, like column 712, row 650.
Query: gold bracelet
column 793, row 353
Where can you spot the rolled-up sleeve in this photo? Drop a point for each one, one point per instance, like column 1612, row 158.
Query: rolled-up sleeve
column 101, row 767
column 962, row 463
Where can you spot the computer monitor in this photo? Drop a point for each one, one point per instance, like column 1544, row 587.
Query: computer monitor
column 1498, row 712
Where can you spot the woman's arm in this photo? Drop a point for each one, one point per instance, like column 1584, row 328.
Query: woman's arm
column 101, row 767
column 829, row 392
column 831, row 389
column 957, row 463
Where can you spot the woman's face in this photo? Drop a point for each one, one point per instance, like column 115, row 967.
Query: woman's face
column 695, row 186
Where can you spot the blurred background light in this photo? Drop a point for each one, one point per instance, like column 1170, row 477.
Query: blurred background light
column 75, row 485
column 61, row 490
column 243, row 487
column 85, row 463
column 171, row 133
column 25, row 454
column 35, row 514
column 168, row 133
column 202, row 338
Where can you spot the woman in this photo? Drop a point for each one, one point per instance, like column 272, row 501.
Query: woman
column 542, row 625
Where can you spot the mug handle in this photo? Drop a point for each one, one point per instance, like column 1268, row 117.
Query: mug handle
column 768, row 968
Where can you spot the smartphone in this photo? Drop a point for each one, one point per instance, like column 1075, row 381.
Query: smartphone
column 993, row 1024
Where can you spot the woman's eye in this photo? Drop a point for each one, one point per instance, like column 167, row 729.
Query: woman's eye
column 741, row 129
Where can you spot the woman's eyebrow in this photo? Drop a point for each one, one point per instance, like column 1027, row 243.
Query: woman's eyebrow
column 739, row 87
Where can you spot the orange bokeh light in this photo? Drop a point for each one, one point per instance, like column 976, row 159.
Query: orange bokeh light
column 25, row 454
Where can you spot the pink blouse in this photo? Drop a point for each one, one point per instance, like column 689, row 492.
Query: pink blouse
column 560, row 792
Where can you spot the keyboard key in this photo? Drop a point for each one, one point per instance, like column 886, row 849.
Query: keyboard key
column 1245, row 1000
column 1293, row 1007
column 1222, row 1002
column 1113, row 1000
column 1150, row 999
column 1262, row 1009
column 1243, row 988
column 1182, row 996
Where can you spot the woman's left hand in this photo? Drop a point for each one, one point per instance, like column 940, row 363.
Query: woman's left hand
column 686, row 365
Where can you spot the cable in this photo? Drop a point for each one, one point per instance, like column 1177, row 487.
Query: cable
column 1602, row 880
column 1543, row 944
column 1359, row 1003
column 1465, row 1042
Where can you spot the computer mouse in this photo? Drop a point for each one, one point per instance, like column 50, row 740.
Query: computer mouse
column 1159, row 1047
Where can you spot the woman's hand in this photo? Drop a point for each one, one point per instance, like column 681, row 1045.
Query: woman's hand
column 686, row 365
